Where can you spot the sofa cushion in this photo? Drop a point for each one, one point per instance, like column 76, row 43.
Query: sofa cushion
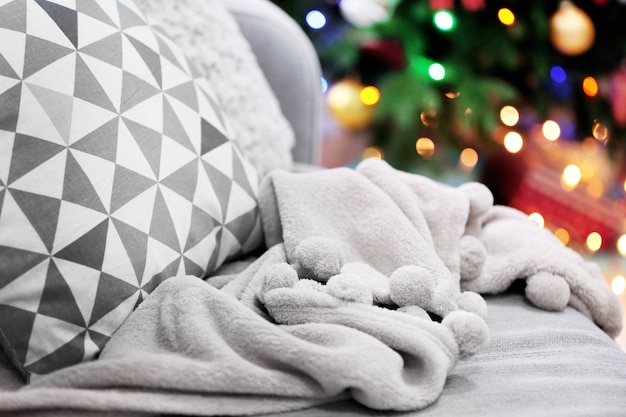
column 117, row 171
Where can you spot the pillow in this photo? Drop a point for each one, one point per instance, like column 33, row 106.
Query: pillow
column 211, row 39
column 117, row 171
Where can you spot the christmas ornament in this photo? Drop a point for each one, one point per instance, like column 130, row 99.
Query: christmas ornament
column 617, row 96
column 346, row 107
column 571, row 30
column 363, row 13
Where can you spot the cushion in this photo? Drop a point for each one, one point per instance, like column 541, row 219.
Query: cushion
column 117, row 171
column 212, row 40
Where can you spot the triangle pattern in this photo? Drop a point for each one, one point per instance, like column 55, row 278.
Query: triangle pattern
column 241, row 226
column 108, row 49
column 111, row 321
column 13, row 16
column 29, row 153
column 5, row 68
column 137, row 212
column 88, row 88
column 107, row 76
column 57, row 106
column 128, row 18
column 66, row 355
column 126, row 186
column 100, row 174
column 203, row 225
column 88, row 249
column 151, row 58
column 57, row 300
column 162, row 227
column 102, row 142
column 82, row 283
column 135, row 245
column 93, row 29
column 40, row 53
column 173, row 128
column 17, row 331
column 111, row 293
column 222, row 185
column 117, row 261
column 65, row 18
column 53, row 170
column 93, row 9
column 78, row 189
column 75, row 221
column 183, row 181
column 11, row 271
column 48, row 77
column 149, row 142
column 32, row 205
column 9, row 101
column 17, row 231
column 203, row 251
column 12, row 49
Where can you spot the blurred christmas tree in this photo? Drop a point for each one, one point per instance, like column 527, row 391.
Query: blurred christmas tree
column 446, row 69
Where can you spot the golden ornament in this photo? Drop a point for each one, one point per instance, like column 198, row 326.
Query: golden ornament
column 346, row 106
column 571, row 30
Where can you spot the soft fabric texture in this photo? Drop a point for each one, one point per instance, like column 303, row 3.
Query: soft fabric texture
column 211, row 39
column 117, row 171
column 343, row 304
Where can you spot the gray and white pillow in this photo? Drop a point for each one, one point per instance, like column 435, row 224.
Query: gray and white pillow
column 117, row 171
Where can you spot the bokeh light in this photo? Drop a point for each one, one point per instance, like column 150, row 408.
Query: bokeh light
column 315, row 19
column 506, row 17
column 437, row 71
column 370, row 95
column 571, row 177
column 537, row 218
column 590, row 86
column 372, row 152
column 513, row 142
column 562, row 235
column 324, row 85
column 509, row 116
column 558, row 74
column 594, row 241
column 600, row 131
column 429, row 118
column 621, row 245
column 551, row 130
column 468, row 158
column 425, row 147
column 444, row 20
column 618, row 285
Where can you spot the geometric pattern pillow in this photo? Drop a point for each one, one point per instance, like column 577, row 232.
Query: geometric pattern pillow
column 117, row 171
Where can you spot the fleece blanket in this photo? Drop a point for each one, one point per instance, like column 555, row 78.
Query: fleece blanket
column 369, row 289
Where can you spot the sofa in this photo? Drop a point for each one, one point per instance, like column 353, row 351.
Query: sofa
column 169, row 244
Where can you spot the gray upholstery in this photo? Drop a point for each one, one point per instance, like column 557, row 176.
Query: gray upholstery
column 291, row 66
column 539, row 363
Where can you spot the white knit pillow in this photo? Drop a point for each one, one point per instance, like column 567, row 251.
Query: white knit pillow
column 211, row 39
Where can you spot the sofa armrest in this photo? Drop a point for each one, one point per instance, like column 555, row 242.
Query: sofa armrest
column 291, row 66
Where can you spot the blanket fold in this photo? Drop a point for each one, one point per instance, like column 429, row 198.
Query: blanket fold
column 369, row 289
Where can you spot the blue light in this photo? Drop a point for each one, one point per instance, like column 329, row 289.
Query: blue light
column 324, row 85
column 558, row 74
column 315, row 19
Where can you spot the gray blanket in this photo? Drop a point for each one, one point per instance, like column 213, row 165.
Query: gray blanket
column 369, row 290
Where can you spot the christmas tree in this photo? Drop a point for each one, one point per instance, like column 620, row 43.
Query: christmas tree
column 526, row 96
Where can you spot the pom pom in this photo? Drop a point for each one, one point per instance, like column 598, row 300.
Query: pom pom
column 470, row 332
column 481, row 199
column 349, row 287
column 319, row 258
column 548, row 291
column 412, row 285
column 473, row 256
column 280, row 275
column 472, row 302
